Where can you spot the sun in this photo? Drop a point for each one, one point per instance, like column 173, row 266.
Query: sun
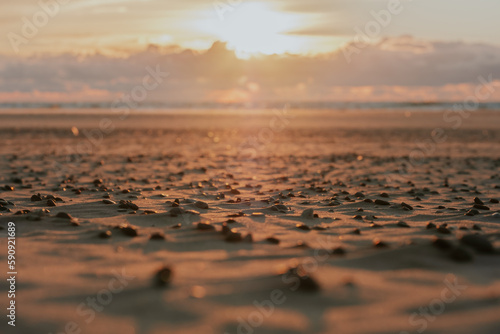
column 251, row 28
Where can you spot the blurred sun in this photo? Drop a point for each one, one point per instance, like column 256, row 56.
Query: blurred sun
column 251, row 28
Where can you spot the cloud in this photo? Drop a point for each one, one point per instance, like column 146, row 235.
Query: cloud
column 394, row 69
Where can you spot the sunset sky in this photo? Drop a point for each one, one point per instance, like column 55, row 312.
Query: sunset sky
column 279, row 50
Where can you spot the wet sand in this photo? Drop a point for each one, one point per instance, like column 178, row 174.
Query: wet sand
column 285, row 221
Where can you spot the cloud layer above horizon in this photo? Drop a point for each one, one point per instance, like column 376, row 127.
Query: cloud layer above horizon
column 394, row 69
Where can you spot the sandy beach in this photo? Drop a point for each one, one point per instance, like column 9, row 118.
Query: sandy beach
column 260, row 221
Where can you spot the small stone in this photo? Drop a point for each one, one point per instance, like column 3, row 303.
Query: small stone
column 494, row 200
column 8, row 188
column 36, row 198
column 479, row 242
column 248, row 238
column 306, row 282
column 478, row 201
column 379, row 243
column 130, row 231
column 358, row 217
column 174, row 212
column 338, row 251
column 481, row 207
column 443, row 229
column 356, row 231
column 205, row 226
column 360, row 210
column 303, row 227
column 461, row 254
column 403, row 224
column 359, row 195
column 407, row 206
column 51, row 203
column 108, row 201
column 381, row 202
column 105, row 234
column 163, row 276
column 374, row 225
column 442, row 244
column 472, row 212
column 367, row 200
column 279, row 208
column 233, row 236
column 157, row 236
column 201, row 205
column 64, row 215
column 384, row 195
column 307, row 213
column 273, row 240
column 133, row 206
column 235, row 191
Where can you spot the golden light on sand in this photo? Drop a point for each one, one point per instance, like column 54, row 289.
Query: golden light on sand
column 252, row 28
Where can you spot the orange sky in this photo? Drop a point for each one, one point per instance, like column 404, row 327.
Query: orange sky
column 97, row 50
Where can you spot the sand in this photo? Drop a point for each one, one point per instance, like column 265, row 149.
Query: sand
column 360, row 267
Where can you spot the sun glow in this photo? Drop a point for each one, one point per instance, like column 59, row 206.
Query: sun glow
column 256, row 28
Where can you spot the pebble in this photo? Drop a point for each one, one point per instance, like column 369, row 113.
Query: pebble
column 201, row 205
column 443, row 229
column 442, row 244
column 356, row 231
column 105, row 234
column 403, row 224
column 205, row 226
column 303, row 227
column 379, row 244
column 174, row 212
column 64, row 215
column 494, row 200
column 358, row 217
column 36, row 198
column 472, row 212
column 279, row 208
column 163, row 276
column 461, row 254
column 478, row 201
column 273, row 240
column 306, row 282
column 407, row 206
column 381, row 202
column 157, row 236
column 130, row 231
column 338, row 251
column 51, row 203
column 233, row 236
column 385, row 195
column 108, row 201
column 248, row 238
column 307, row 213
column 479, row 242
column 481, row 207
column 367, row 200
